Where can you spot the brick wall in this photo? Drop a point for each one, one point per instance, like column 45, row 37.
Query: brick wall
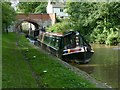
column 43, row 17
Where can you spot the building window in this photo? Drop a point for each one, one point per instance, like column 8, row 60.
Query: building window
column 61, row 9
column 52, row 2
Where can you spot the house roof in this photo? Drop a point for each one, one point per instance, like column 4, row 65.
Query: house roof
column 58, row 4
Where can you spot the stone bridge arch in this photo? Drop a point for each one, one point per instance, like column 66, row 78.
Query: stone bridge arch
column 38, row 20
column 18, row 23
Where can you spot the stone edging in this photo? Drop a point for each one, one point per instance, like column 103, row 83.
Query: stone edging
column 85, row 75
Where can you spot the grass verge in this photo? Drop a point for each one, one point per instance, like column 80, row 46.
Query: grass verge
column 15, row 71
column 27, row 66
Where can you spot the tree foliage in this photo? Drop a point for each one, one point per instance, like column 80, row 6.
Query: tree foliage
column 32, row 7
column 98, row 21
column 60, row 27
column 8, row 15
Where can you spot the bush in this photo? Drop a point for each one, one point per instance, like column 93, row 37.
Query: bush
column 59, row 27
column 113, row 38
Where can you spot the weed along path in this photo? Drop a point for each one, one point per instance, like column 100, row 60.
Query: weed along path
column 27, row 66
column 37, row 78
column 24, row 53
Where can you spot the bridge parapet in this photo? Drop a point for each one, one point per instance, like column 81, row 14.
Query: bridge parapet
column 38, row 20
column 41, row 19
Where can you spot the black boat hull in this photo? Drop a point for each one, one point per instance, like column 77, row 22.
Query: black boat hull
column 81, row 57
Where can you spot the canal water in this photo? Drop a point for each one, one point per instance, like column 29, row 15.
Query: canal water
column 103, row 65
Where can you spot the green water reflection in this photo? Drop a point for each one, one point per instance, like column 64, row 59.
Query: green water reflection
column 104, row 64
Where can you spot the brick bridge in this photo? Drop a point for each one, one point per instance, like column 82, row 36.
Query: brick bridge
column 38, row 20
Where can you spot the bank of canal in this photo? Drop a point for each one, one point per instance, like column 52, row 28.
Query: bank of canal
column 27, row 66
column 103, row 65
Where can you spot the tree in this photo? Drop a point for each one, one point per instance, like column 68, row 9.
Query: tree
column 107, row 24
column 41, row 8
column 32, row 7
column 79, row 12
column 98, row 21
column 8, row 15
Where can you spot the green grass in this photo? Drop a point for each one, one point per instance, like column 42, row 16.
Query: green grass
column 21, row 69
column 0, row 61
column 16, row 72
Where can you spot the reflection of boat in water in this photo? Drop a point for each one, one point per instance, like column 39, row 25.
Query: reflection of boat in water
column 69, row 46
column 116, row 48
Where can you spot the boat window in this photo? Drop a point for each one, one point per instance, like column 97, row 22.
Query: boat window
column 50, row 40
column 57, row 43
column 52, row 43
column 40, row 36
column 62, row 43
column 69, row 42
column 46, row 39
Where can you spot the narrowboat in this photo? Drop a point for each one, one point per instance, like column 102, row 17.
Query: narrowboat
column 67, row 46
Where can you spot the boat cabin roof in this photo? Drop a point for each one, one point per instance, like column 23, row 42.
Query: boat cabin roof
column 54, row 34
column 59, row 34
